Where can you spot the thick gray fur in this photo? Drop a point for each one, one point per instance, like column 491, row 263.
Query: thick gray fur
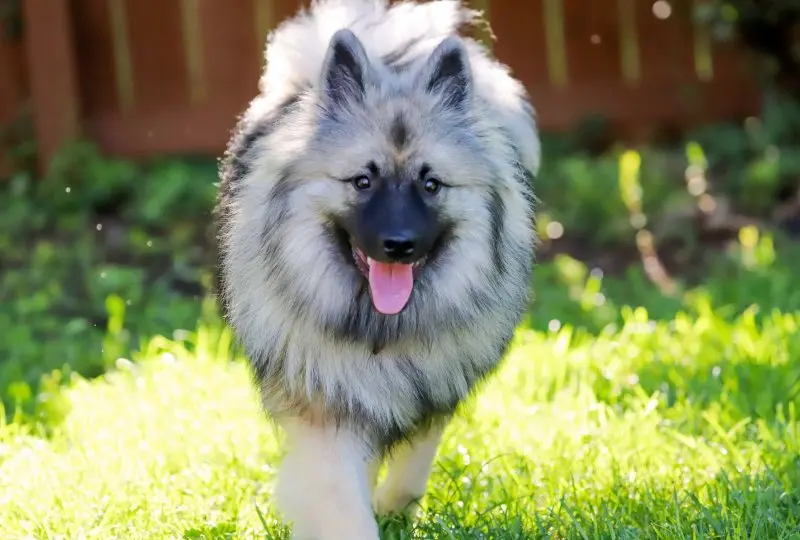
column 320, row 351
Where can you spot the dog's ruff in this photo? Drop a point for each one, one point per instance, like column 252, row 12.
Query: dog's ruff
column 352, row 86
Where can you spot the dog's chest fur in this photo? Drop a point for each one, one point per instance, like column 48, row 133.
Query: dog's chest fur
column 305, row 372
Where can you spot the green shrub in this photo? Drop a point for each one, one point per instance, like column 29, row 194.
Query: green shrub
column 97, row 255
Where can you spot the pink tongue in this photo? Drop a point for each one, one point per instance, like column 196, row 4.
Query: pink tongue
column 390, row 284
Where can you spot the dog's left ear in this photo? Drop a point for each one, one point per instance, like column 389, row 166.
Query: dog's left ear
column 447, row 73
column 345, row 71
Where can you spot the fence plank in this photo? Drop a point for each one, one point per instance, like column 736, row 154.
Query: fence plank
column 629, row 41
column 264, row 23
column 521, row 42
column 158, row 55
column 13, row 91
column 667, row 44
column 100, row 58
column 232, row 64
column 193, row 48
column 123, row 69
column 53, row 74
column 557, row 55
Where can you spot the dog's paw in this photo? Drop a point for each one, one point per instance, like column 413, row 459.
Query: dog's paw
column 388, row 501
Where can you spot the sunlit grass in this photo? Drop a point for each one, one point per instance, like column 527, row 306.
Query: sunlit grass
column 682, row 428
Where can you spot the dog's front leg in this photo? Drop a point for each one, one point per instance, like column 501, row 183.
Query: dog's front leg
column 409, row 467
column 322, row 485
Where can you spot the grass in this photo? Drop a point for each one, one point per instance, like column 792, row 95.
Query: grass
column 681, row 426
column 621, row 411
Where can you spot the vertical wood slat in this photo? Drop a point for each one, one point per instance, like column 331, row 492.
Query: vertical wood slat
column 158, row 56
column 629, row 42
column 263, row 11
column 13, row 91
column 193, row 48
column 666, row 43
column 13, row 87
column 94, row 53
column 520, row 39
column 703, row 53
column 231, row 65
column 53, row 74
column 593, row 40
column 556, row 42
column 123, row 68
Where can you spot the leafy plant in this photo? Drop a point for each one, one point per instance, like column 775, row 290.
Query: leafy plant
column 94, row 241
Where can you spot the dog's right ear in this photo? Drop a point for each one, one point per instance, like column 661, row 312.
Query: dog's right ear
column 447, row 73
column 345, row 71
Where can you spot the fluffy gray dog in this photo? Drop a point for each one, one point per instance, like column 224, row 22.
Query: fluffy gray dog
column 375, row 236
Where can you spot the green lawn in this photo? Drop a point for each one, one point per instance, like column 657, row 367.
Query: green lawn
column 620, row 412
column 677, row 426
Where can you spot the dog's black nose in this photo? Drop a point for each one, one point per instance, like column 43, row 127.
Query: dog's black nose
column 399, row 246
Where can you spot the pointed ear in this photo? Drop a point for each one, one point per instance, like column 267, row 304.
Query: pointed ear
column 344, row 71
column 447, row 73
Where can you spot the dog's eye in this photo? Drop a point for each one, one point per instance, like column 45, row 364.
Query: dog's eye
column 361, row 182
column 432, row 185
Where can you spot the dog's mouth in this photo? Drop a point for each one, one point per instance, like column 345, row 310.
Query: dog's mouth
column 390, row 284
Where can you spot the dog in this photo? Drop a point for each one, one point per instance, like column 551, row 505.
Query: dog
column 375, row 235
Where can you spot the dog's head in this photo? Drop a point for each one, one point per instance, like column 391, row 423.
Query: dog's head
column 397, row 168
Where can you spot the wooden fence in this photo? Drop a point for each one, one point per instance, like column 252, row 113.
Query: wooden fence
column 13, row 91
column 144, row 77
